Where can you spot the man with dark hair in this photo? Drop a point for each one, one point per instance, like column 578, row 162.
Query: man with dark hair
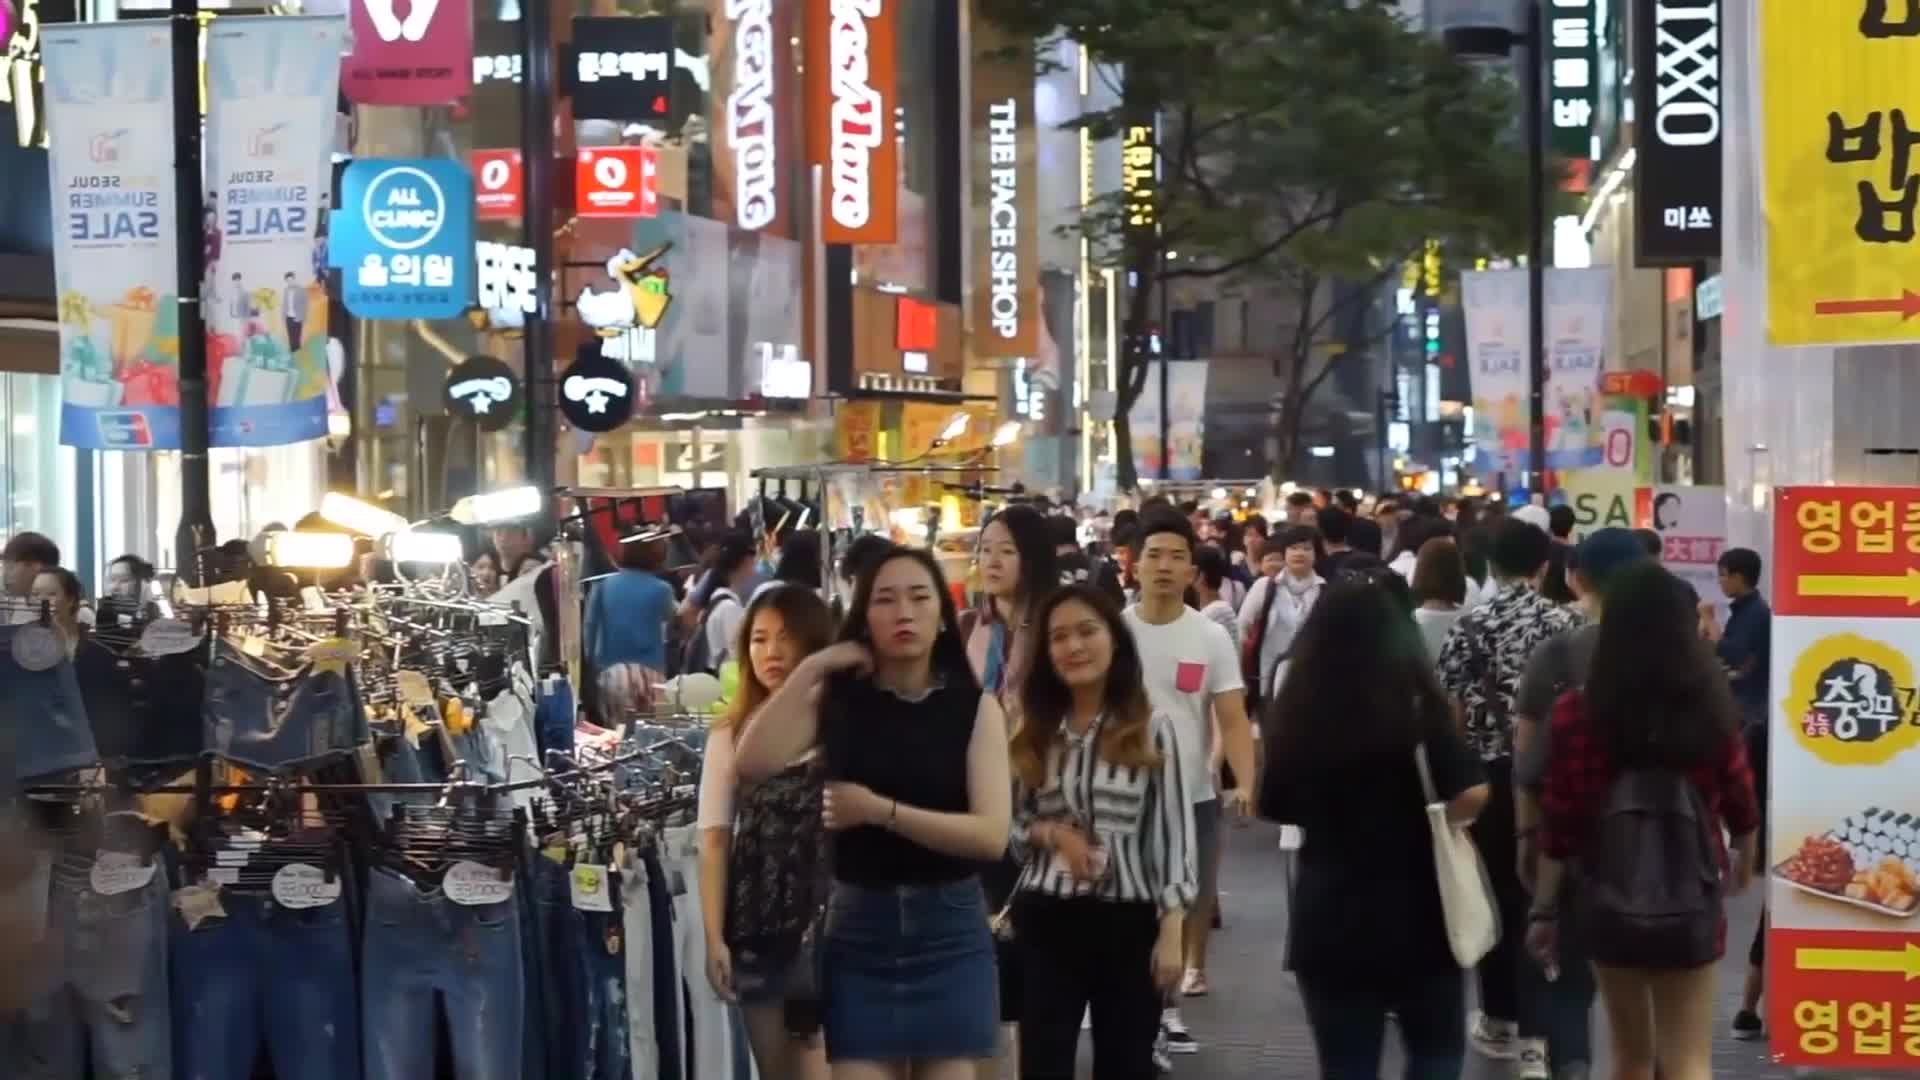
column 1075, row 568
column 1387, row 514
column 1300, row 508
column 1560, row 522
column 1480, row 666
column 1347, row 500
column 26, row 556
column 1336, row 532
column 1192, row 674
column 1744, row 647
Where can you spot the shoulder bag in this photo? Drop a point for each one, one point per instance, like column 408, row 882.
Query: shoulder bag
column 1466, row 893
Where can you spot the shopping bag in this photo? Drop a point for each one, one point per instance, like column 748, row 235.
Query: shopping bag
column 1466, row 892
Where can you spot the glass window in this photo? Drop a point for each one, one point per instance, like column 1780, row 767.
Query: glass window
column 910, row 261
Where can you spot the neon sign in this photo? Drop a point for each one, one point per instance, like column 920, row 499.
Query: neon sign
column 750, row 116
column 857, row 122
column 1003, row 217
column 1140, row 177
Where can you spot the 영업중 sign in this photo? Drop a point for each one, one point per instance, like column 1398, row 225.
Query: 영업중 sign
column 1842, row 181
column 403, row 238
column 1847, row 551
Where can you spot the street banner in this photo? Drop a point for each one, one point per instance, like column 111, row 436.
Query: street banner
column 1692, row 523
column 852, row 73
column 273, row 83
column 1842, row 862
column 1186, row 418
column 1144, row 420
column 1579, row 315
column 109, row 95
column 403, row 238
column 1005, row 182
column 1840, row 186
column 423, row 58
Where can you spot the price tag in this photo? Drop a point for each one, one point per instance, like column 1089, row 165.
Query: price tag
column 224, row 875
column 168, row 637
column 198, row 903
column 115, row 873
column 333, row 654
column 298, row 886
column 36, row 648
column 231, row 858
column 471, row 885
column 591, row 888
column 414, row 689
column 254, row 645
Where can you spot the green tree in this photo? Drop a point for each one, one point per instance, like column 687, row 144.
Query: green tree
column 1302, row 144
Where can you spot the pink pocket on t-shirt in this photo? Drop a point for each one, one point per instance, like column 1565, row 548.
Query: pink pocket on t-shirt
column 1190, row 676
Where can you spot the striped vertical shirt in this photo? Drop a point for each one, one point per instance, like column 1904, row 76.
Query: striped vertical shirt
column 1142, row 816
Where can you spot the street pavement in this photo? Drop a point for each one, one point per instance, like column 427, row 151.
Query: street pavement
column 1252, row 1026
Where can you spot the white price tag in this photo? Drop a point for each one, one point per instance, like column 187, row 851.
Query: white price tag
column 35, row 648
column 472, row 885
column 225, row 875
column 168, row 637
column 115, row 873
column 298, row 886
column 591, row 888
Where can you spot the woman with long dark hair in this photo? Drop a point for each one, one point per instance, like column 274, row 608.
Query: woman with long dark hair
column 760, row 845
column 918, row 796
column 1357, row 720
column 1655, row 702
column 1104, row 828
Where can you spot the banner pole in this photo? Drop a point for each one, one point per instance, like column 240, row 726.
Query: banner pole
column 1536, row 249
column 195, row 533
column 537, row 102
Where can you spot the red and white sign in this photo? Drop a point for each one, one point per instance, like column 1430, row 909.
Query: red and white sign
column 423, row 58
column 752, row 120
column 852, row 74
column 497, row 185
column 617, row 181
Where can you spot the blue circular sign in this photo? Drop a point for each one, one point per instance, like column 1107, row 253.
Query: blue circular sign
column 404, row 208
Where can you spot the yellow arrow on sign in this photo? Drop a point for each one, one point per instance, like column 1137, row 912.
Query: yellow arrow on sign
column 1902, row 961
column 1864, row 586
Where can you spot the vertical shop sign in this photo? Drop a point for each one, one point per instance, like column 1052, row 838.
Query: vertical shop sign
column 1006, row 275
column 1572, row 87
column 1140, row 179
column 622, row 68
column 1841, row 181
column 111, row 172
column 1842, row 871
column 1676, row 173
column 403, row 238
column 497, row 177
column 273, row 84
column 756, row 62
column 423, row 58
column 852, row 73
column 617, row 181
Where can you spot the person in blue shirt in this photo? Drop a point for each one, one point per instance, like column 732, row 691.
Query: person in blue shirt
column 1745, row 647
column 627, row 613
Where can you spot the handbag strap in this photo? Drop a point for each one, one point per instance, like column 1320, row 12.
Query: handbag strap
column 1426, row 774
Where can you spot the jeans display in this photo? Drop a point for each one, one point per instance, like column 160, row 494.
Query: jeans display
column 143, row 710
column 44, row 728
column 276, row 719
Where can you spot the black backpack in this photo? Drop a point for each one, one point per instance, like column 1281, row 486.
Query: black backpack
column 695, row 654
column 1650, row 893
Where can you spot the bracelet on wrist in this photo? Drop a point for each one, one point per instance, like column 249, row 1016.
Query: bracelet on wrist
column 893, row 814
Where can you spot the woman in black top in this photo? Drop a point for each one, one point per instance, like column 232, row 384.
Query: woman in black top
column 1367, row 936
column 919, row 796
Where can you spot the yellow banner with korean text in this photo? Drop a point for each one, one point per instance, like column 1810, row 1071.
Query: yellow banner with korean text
column 1841, row 180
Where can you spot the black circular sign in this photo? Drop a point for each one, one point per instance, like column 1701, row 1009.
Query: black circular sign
column 596, row 393
column 483, row 390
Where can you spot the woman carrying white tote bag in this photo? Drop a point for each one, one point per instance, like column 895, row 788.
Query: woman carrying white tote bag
column 1466, row 895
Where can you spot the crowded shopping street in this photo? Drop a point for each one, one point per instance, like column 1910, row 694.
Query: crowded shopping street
column 959, row 540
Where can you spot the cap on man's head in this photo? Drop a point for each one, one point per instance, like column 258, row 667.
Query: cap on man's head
column 1604, row 553
column 1537, row 516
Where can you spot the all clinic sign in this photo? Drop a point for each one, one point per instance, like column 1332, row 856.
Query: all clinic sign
column 852, row 74
column 1005, row 252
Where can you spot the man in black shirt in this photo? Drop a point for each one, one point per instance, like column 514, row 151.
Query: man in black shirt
column 1745, row 647
column 1336, row 529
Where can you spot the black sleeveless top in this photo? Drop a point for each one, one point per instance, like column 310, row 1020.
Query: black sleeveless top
column 913, row 751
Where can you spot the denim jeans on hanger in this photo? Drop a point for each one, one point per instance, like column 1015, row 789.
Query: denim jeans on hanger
column 562, row 1008
column 636, row 911
column 535, row 1038
column 108, row 999
column 606, row 1048
column 43, row 722
column 667, row 999
column 271, row 722
column 262, row 973
column 422, row 951
column 712, row 1031
column 554, row 716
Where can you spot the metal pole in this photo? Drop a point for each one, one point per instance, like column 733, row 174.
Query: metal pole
column 196, row 507
column 536, row 139
column 1166, row 379
column 1536, row 246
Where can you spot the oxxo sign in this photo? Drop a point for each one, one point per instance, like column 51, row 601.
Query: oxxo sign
column 1677, row 175
column 752, row 122
column 851, row 71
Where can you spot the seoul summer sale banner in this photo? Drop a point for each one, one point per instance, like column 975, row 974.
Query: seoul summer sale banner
column 272, row 85
column 1579, row 310
column 109, row 94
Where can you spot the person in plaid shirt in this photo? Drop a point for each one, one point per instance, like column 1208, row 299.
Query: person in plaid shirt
column 1655, row 699
column 1480, row 666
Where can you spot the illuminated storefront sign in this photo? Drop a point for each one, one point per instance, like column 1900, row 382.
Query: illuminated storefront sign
column 20, row 72
column 751, row 118
column 1572, row 86
column 1140, row 178
column 1004, row 198
column 851, row 74
column 1003, row 217
column 1677, row 175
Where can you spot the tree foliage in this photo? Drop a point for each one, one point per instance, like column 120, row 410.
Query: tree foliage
column 1301, row 143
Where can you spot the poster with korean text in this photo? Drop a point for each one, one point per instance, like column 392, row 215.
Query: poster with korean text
column 273, row 84
column 111, row 171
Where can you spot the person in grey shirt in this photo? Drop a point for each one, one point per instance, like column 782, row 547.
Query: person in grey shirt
column 293, row 307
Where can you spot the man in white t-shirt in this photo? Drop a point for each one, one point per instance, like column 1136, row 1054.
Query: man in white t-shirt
column 1193, row 675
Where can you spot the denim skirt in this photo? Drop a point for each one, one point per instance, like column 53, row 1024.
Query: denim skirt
column 908, row 974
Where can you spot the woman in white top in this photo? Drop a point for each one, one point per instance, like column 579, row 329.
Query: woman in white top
column 1284, row 599
column 1439, row 592
column 747, row 889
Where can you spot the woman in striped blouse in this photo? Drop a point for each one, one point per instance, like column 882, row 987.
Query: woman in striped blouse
column 1103, row 827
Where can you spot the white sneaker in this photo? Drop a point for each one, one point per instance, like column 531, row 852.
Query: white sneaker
column 1493, row 1038
column 1179, row 1039
column 1532, row 1063
column 1086, row 1019
column 1162, row 1061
